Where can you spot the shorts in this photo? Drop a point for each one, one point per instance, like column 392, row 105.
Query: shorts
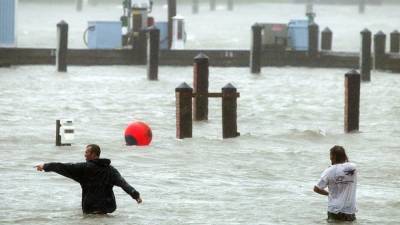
column 341, row 216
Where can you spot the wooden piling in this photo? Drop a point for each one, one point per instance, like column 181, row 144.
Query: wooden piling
column 58, row 136
column 352, row 101
column 142, row 47
column 171, row 15
column 361, row 6
column 79, row 5
column 379, row 50
column 256, row 49
column 153, row 53
column 183, row 94
column 326, row 39
column 230, row 5
column 62, row 46
column 137, row 26
column 213, row 5
column 200, row 86
column 229, row 111
column 313, row 36
column 195, row 6
column 365, row 55
column 394, row 42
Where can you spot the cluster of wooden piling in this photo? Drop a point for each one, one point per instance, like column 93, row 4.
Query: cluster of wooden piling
column 380, row 60
column 192, row 103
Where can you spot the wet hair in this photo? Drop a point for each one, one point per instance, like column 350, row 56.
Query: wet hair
column 339, row 154
column 94, row 149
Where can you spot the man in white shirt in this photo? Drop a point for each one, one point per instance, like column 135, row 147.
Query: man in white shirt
column 341, row 180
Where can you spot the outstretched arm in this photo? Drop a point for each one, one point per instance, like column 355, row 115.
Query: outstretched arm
column 74, row 171
column 120, row 182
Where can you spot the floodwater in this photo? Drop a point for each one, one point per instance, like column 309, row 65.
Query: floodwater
column 288, row 119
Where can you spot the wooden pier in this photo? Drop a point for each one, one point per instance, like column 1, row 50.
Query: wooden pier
column 219, row 58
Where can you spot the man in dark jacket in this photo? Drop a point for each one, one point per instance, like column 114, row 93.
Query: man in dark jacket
column 97, row 178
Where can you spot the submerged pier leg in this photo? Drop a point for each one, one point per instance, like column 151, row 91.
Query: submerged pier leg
column 229, row 111
column 326, row 39
column 352, row 101
column 365, row 55
column 79, row 5
column 256, row 49
column 361, row 6
column 394, row 42
column 58, row 136
column 200, row 86
column 195, row 6
column 184, row 121
column 230, row 5
column 379, row 50
column 171, row 15
column 213, row 5
column 62, row 46
column 313, row 40
column 153, row 53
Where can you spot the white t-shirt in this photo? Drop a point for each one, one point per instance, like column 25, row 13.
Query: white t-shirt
column 341, row 180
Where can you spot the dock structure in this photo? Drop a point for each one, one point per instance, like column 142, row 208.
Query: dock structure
column 256, row 56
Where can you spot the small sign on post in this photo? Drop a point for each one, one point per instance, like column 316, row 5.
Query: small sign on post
column 64, row 132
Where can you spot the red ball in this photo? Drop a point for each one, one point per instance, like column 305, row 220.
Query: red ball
column 138, row 133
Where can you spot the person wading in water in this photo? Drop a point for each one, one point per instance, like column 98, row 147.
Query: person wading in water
column 97, row 178
column 341, row 180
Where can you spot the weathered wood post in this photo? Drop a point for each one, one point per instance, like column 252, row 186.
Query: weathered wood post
column 379, row 50
column 139, row 36
column 200, row 86
column 229, row 111
column 230, row 5
column 365, row 55
column 256, row 48
column 184, row 122
column 142, row 47
column 62, row 46
column 326, row 39
column 58, row 136
column 352, row 101
column 313, row 42
column 394, row 42
column 361, row 6
column 213, row 5
column 171, row 15
column 195, row 6
column 153, row 53
column 79, row 5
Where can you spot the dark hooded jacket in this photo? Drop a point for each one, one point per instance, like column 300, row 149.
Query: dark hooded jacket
column 97, row 178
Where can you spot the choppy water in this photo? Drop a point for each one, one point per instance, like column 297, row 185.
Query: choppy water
column 288, row 118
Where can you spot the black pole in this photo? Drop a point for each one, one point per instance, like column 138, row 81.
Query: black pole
column 171, row 15
column 326, row 39
column 256, row 49
column 365, row 55
column 379, row 50
column 313, row 42
column 58, row 136
column 229, row 112
column 153, row 53
column 394, row 42
column 62, row 46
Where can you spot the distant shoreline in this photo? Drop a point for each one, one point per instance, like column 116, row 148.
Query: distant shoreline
column 347, row 2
